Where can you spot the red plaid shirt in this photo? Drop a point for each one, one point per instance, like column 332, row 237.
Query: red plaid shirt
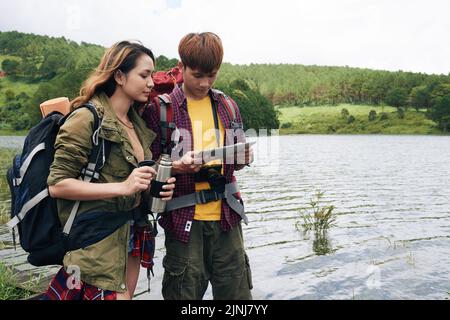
column 143, row 245
column 58, row 289
column 177, row 220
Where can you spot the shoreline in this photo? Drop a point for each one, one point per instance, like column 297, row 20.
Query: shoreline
column 12, row 134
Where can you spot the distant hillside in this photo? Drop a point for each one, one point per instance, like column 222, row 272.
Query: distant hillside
column 354, row 119
column 42, row 67
column 319, row 85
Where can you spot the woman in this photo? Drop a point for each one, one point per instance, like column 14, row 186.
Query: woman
column 107, row 269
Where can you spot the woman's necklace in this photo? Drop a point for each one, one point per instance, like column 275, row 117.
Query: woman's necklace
column 128, row 125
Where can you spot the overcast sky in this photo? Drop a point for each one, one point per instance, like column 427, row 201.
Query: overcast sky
column 409, row 35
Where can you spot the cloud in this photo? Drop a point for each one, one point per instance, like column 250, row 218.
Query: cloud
column 392, row 35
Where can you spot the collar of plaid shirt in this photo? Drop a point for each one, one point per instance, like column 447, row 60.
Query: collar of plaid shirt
column 179, row 221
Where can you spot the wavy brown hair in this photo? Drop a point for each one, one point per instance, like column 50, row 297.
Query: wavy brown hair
column 121, row 56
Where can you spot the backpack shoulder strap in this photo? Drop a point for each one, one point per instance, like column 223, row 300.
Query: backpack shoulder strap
column 97, row 156
column 96, row 161
column 165, row 109
column 231, row 109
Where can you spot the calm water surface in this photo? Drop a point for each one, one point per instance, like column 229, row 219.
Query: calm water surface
column 392, row 234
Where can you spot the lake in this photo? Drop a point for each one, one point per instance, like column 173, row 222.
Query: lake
column 391, row 238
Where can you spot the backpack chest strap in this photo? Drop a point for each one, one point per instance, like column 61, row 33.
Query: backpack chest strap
column 205, row 196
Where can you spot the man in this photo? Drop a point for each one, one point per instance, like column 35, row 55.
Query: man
column 204, row 241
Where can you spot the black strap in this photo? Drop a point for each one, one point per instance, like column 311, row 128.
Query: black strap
column 206, row 196
column 216, row 121
column 202, row 175
column 166, row 114
column 91, row 227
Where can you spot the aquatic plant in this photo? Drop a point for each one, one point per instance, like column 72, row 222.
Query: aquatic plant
column 317, row 219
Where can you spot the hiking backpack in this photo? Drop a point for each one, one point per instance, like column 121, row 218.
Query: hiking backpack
column 164, row 83
column 34, row 213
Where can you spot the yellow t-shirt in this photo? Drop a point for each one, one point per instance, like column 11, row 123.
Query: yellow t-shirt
column 203, row 131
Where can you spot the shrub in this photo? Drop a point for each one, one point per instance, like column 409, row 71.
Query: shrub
column 9, row 95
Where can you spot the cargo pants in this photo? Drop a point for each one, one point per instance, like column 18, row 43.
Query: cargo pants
column 211, row 255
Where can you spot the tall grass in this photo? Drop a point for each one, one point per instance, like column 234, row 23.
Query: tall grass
column 6, row 156
column 318, row 219
column 10, row 287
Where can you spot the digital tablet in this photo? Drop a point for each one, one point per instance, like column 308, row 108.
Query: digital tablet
column 227, row 152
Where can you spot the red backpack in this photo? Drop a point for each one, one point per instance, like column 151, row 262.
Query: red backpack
column 165, row 81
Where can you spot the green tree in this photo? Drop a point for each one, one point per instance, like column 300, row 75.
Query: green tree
column 9, row 95
column 11, row 66
column 397, row 97
column 257, row 111
column 163, row 63
column 50, row 66
column 438, row 91
column 440, row 112
column 45, row 92
column 420, row 97
column 28, row 69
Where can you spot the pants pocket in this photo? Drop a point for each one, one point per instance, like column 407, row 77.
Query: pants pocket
column 234, row 285
column 248, row 272
column 174, row 273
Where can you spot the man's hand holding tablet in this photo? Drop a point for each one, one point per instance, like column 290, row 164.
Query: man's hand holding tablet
column 238, row 154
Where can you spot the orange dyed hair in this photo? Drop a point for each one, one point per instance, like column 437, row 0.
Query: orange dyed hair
column 201, row 51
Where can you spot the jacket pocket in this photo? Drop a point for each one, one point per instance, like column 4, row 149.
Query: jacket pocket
column 116, row 168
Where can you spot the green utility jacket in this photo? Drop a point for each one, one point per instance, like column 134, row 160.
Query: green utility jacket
column 104, row 263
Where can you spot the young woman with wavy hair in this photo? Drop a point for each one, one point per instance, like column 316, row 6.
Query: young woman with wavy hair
column 109, row 268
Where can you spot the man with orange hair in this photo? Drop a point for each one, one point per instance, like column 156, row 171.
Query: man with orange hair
column 204, row 240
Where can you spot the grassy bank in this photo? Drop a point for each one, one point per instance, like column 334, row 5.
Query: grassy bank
column 17, row 86
column 4, row 57
column 6, row 156
column 10, row 132
column 11, row 288
column 329, row 120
